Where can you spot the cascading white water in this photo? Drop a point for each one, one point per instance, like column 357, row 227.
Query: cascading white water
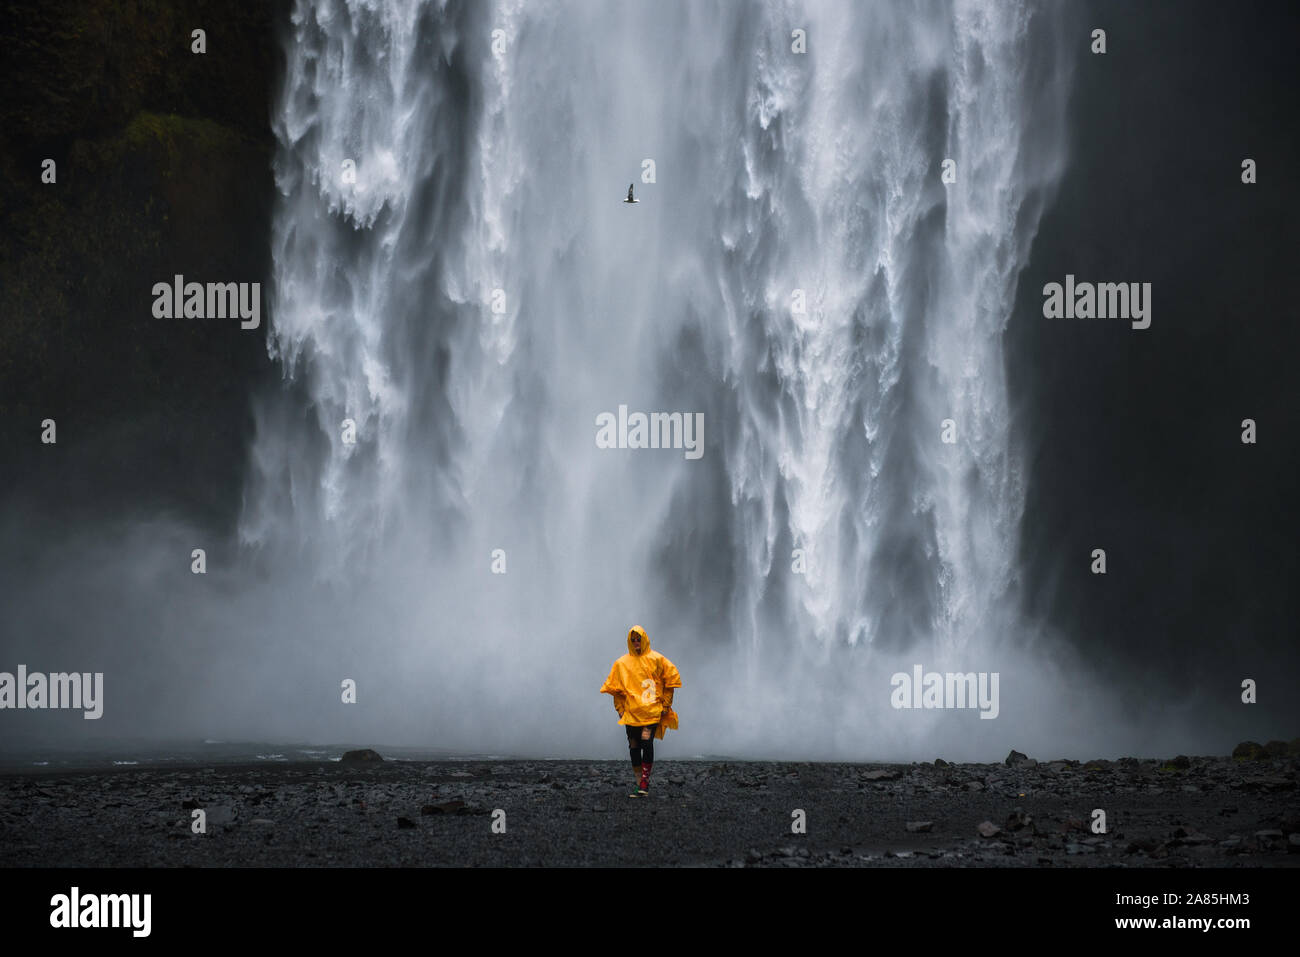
column 493, row 177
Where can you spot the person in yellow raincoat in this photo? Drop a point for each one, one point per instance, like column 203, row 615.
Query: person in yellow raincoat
column 642, row 684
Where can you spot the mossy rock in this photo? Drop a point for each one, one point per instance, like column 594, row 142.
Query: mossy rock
column 86, row 66
column 1248, row 751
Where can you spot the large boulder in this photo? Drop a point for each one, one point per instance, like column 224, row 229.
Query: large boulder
column 361, row 756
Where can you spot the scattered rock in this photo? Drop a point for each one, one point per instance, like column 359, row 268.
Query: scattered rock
column 220, row 814
column 1271, row 840
column 1180, row 763
column 1175, row 827
column 1018, row 819
column 1014, row 758
column 458, row 807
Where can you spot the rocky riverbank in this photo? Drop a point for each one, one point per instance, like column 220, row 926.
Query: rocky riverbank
column 1183, row 812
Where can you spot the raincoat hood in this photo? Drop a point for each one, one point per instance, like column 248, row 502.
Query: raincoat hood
column 645, row 640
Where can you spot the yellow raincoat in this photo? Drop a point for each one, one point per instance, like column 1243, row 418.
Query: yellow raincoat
column 642, row 686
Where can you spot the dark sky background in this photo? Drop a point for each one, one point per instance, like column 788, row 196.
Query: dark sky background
column 1135, row 435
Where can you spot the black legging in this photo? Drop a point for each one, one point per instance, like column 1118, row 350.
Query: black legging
column 642, row 752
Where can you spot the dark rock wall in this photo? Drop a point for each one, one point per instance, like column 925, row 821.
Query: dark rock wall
column 163, row 163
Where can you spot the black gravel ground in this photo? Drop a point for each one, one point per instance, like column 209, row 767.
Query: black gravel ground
column 1218, row 812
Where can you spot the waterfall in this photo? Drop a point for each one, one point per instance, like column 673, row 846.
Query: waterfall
column 455, row 276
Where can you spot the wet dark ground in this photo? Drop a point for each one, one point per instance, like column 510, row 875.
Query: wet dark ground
column 1193, row 812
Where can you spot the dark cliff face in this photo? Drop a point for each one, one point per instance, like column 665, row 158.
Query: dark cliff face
column 1134, row 436
column 163, row 167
